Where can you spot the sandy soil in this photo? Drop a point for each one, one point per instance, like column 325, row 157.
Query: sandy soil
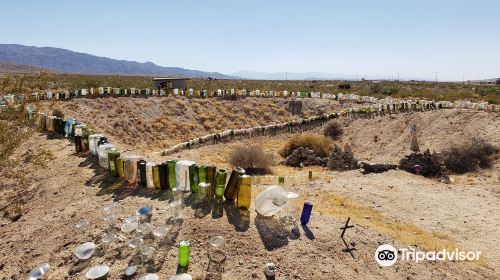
column 74, row 188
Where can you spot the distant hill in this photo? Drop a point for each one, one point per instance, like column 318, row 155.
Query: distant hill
column 63, row 60
column 10, row 67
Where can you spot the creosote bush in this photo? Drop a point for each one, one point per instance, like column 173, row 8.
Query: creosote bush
column 471, row 155
column 333, row 129
column 252, row 158
column 319, row 144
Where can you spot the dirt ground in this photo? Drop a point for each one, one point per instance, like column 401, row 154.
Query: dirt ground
column 73, row 187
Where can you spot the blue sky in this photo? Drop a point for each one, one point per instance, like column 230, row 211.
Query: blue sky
column 415, row 38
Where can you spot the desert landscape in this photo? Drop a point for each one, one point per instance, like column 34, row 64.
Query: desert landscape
column 237, row 140
column 394, row 207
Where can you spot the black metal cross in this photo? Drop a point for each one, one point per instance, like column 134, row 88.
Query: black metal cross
column 347, row 247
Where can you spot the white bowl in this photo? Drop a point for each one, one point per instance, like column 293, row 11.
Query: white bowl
column 85, row 250
column 39, row 272
column 97, row 272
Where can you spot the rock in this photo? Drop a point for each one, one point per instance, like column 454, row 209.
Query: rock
column 270, row 270
column 304, row 157
column 426, row 164
column 377, row 167
column 342, row 159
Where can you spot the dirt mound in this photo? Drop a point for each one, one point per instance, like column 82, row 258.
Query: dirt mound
column 150, row 124
column 388, row 139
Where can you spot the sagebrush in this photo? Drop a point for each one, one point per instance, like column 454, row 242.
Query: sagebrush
column 252, row 158
column 333, row 129
column 320, row 144
column 471, row 155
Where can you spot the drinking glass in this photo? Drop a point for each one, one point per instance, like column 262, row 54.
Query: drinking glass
column 176, row 209
column 216, row 249
column 159, row 234
column 147, row 253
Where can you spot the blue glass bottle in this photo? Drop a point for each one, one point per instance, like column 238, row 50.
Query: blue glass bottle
column 306, row 213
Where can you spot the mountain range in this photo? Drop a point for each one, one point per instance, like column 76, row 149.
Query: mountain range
column 62, row 60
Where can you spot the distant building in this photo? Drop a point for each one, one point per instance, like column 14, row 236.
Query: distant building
column 170, row 83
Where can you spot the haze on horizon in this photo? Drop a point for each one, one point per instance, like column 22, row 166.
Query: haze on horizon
column 454, row 40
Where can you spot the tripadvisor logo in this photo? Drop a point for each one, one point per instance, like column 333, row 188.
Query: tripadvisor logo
column 387, row 255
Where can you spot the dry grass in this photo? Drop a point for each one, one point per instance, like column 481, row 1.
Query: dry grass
column 342, row 207
column 318, row 143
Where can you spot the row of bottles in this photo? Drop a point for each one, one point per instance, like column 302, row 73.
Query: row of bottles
column 185, row 175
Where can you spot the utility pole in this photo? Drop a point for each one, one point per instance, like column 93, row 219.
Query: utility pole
column 398, row 77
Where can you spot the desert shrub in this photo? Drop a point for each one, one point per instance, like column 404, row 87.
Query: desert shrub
column 333, row 129
column 376, row 88
column 469, row 156
column 389, row 90
column 13, row 132
column 318, row 143
column 252, row 158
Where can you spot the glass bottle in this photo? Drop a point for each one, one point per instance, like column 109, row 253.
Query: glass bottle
column 156, row 176
column 149, row 175
column 171, row 173
column 130, row 167
column 112, row 158
column 119, row 167
column 193, row 178
column 232, row 185
column 184, row 252
column 141, row 165
column 78, row 144
column 202, row 174
column 221, row 183
column 244, row 192
column 163, row 170
column 211, row 179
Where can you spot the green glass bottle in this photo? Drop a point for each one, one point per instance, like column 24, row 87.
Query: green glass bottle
column 231, row 190
column 211, row 179
column 184, row 252
column 193, row 178
column 202, row 173
column 162, row 168
column 119, row 167
column 112, row 159
column 171, row 164
column 156, row 176
column 141, row 166
column 281, row 180
column 221, row 183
